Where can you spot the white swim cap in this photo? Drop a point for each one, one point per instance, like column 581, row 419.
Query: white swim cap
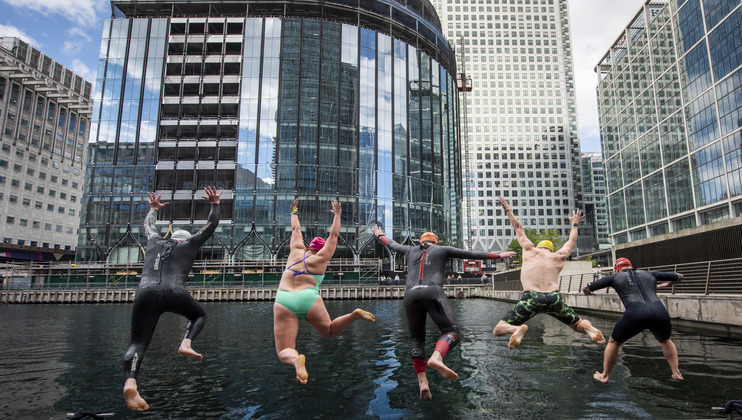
column 180, row 235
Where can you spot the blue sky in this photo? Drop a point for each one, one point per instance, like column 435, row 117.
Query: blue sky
column 69, row 31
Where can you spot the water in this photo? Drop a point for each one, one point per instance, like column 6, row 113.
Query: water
column 58, row 359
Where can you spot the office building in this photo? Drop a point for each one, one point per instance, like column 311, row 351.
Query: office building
column 521, row 121
column 271, row 101
column 45, row 119
column 670, row 96
column 594, row 236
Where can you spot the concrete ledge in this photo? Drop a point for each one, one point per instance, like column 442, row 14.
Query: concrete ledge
column 714, row 314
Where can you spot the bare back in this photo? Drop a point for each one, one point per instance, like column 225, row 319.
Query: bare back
column 315, row 264
column 541, row 268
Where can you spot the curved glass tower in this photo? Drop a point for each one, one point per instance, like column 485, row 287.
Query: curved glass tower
column 346, row 100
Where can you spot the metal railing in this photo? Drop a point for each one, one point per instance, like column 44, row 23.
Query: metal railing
column 706, row 277
column 205, row 274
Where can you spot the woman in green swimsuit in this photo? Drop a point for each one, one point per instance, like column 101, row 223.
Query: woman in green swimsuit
column 298, row 293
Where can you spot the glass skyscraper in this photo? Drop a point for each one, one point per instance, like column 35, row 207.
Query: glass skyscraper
column 670, row 105
column 272, row 101
column 596, row 205
column 522, row 124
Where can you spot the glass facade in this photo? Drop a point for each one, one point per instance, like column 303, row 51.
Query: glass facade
column 269, row 109
column 670, row 96
column 522, row 139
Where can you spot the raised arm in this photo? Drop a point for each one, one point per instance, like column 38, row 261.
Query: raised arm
column 332, row 241
column 475, row 255
column 389, row 242
column 213, row 197
column 297, row 240
column 602, row 283
column 520, row 233
column 566, row 250
column 154, row 206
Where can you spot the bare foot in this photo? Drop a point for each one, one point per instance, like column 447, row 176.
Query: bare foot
column 677, row 376
column 425, row 394
column 517, row 336
column 361, row 314
column 595, row 335
column 436, row 362
column 599, row 376
column 301, row 370
column 189, row 353
column 133, row 400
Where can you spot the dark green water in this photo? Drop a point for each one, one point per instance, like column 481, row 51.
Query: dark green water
column 58, row 359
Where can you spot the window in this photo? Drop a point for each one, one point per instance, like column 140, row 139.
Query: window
column 15, row 183
column 60, row 210
column 63, row 196
column 40, row 189
column 53, row 178
column 26, row 202
column 10, row 220
column 12, row 199
column 23, row 222
column 71, row 212
column 50, row 207
column 28, row 186
column 59, row 229
column 37, row 205
column 47, row 226
column 35, row 224
column 64, row 181
column 52, row 193
column 42, row 175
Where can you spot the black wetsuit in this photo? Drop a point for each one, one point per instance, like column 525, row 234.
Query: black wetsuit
column 162, row 289
column 638, row 292
column 424, row 290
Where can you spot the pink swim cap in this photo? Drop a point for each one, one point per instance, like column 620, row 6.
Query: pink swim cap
column 317, row 243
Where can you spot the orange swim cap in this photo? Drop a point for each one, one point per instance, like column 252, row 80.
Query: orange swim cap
column 622, row 263
column 429, row 237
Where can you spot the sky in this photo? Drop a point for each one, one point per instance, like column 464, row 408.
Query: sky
column 69, row 31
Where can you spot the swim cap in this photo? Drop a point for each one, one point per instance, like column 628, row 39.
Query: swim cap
column 622, row 263
column 180, row 235
column 317, row 243
column 429, row 237
column 546, row 244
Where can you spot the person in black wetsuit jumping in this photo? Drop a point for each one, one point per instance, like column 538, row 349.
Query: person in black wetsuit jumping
column 638, row 292
column 424, row 295
column 167, row 263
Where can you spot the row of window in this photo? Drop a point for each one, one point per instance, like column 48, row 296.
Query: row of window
column 47, row 226
column 35, row 224
column 26, row 202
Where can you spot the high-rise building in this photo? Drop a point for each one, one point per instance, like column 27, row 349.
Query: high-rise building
column 45, row 119
column 594, row 189
column 522, row 125
column 670, row 106
column 271, row 101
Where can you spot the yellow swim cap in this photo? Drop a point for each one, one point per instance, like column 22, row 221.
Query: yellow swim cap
column 546, row 244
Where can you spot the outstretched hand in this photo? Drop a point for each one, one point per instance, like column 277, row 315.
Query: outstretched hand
column 378, row 231
column 576, row 216
column 154, row 201
column 295, row 206
column 587, row 292
column 212, row 196
column 504, row 203
column 336, row 210
column 507, row 254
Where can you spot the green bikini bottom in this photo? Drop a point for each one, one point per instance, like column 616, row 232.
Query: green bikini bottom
column 299, row 302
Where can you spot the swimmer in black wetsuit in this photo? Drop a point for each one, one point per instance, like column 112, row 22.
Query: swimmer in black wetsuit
column 167, row 263
column 637, row 290
column 424, row 296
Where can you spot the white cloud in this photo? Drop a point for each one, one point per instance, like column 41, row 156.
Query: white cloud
column 83, row 70
column 595, row 26
column 81, row 12
column 12, row 31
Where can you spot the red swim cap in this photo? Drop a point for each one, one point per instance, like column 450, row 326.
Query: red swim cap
column 317, row 243
column 622, row 263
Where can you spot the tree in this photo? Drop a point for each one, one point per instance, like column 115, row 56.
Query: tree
column 535, row 236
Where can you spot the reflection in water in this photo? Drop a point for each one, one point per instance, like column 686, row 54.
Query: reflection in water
column 60, row 358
